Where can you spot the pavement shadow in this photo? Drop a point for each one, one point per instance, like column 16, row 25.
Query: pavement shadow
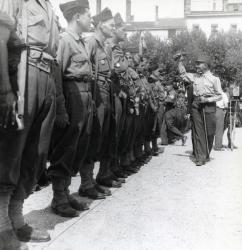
column 46, row 219
column 189, row 152
column 181, row 155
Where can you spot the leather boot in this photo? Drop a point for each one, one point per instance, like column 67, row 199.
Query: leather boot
column 29, row 234
column 76, row 204
column 104, row 190
column 108, row 182
column 9, row 241
column 60, row 203
column 91, row 193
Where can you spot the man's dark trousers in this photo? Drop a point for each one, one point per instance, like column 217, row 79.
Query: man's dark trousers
column 69, row 145
column 198, row 129
column 23, row 153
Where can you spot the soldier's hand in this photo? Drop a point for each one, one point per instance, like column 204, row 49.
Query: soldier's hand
column 61, row 121
column 7, row 109
column 202, row 99
column 179, row 56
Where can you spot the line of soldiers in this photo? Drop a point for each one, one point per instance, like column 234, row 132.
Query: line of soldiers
column 85, row 101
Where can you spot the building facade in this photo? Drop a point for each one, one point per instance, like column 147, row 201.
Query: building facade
column 212, row 16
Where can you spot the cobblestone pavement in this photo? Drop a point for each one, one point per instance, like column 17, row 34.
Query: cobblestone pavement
column 169, row 205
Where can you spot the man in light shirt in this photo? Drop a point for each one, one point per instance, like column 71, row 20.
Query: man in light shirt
column 221, row 107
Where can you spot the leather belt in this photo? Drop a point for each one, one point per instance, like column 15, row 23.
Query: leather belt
column 41, row 60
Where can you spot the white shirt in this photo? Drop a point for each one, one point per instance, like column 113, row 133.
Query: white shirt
column 223, row 103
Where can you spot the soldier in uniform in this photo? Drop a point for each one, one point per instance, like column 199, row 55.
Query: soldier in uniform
column 132, row 112
column 101, row 61
column 174, row 119
column 119, row 65
column 206, row 91
column 23, row 153
column 71, row 136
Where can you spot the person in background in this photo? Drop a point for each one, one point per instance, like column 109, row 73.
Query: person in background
column 206, row 92
column 221, row 107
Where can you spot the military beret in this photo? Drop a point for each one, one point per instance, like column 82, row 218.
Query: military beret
column 118, row 20
column 103, row 16
column 71, row 7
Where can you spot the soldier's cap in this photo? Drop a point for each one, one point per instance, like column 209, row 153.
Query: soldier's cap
column 103, row 16
column 118, row 20
column 71, row 7
column 203, row 59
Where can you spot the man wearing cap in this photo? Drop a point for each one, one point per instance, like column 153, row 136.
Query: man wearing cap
column 71, row 136
column 101, row 62
column 120, row 65
column 23, row 152
column 206, row 92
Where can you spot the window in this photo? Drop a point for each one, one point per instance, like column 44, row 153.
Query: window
column 235, row 7
column 214, row 28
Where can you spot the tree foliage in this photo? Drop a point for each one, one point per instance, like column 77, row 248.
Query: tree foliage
column 223, row 49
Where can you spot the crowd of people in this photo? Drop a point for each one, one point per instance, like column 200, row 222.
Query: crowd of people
column 86, row 100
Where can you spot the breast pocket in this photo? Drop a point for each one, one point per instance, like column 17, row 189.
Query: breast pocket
column 103, row 63
column 37, row 29
column 80, row 62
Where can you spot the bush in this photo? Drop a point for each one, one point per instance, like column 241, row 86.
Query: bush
column 224, row 51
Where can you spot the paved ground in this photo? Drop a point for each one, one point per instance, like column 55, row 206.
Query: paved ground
column 169, row 205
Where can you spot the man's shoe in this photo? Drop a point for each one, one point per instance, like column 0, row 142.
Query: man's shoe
column 29, row 234
column 218, row 149
column 184, row 139
column 104, row 190
column 9, row 241
column 64, row 209
column 121, row 174
column 109, row 183
column 77, row 205
column 155, row 153
column 91, row 193
column 200, row 163
column 122, row 180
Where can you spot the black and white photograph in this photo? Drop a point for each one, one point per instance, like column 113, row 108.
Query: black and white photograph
column 120, row 124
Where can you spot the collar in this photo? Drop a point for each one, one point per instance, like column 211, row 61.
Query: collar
column 74, row 35
column 99, row 39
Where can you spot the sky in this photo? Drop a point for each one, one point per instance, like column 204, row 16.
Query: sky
column 143, row 10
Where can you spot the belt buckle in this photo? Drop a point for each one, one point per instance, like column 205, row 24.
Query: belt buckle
column 44, row 65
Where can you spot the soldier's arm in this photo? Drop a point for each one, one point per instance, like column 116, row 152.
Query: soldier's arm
column 5, row 85
column 62, row 118
column 120, row 62
column 7, row 97
column 91, row 47
column 187, row 77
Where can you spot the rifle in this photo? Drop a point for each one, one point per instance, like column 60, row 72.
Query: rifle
column 22, row 72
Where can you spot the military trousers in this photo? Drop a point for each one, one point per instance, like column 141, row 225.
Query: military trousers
column 23, row 154
column 69, row 145
column 104, row 117
column 220, row 115
column 203, row 130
